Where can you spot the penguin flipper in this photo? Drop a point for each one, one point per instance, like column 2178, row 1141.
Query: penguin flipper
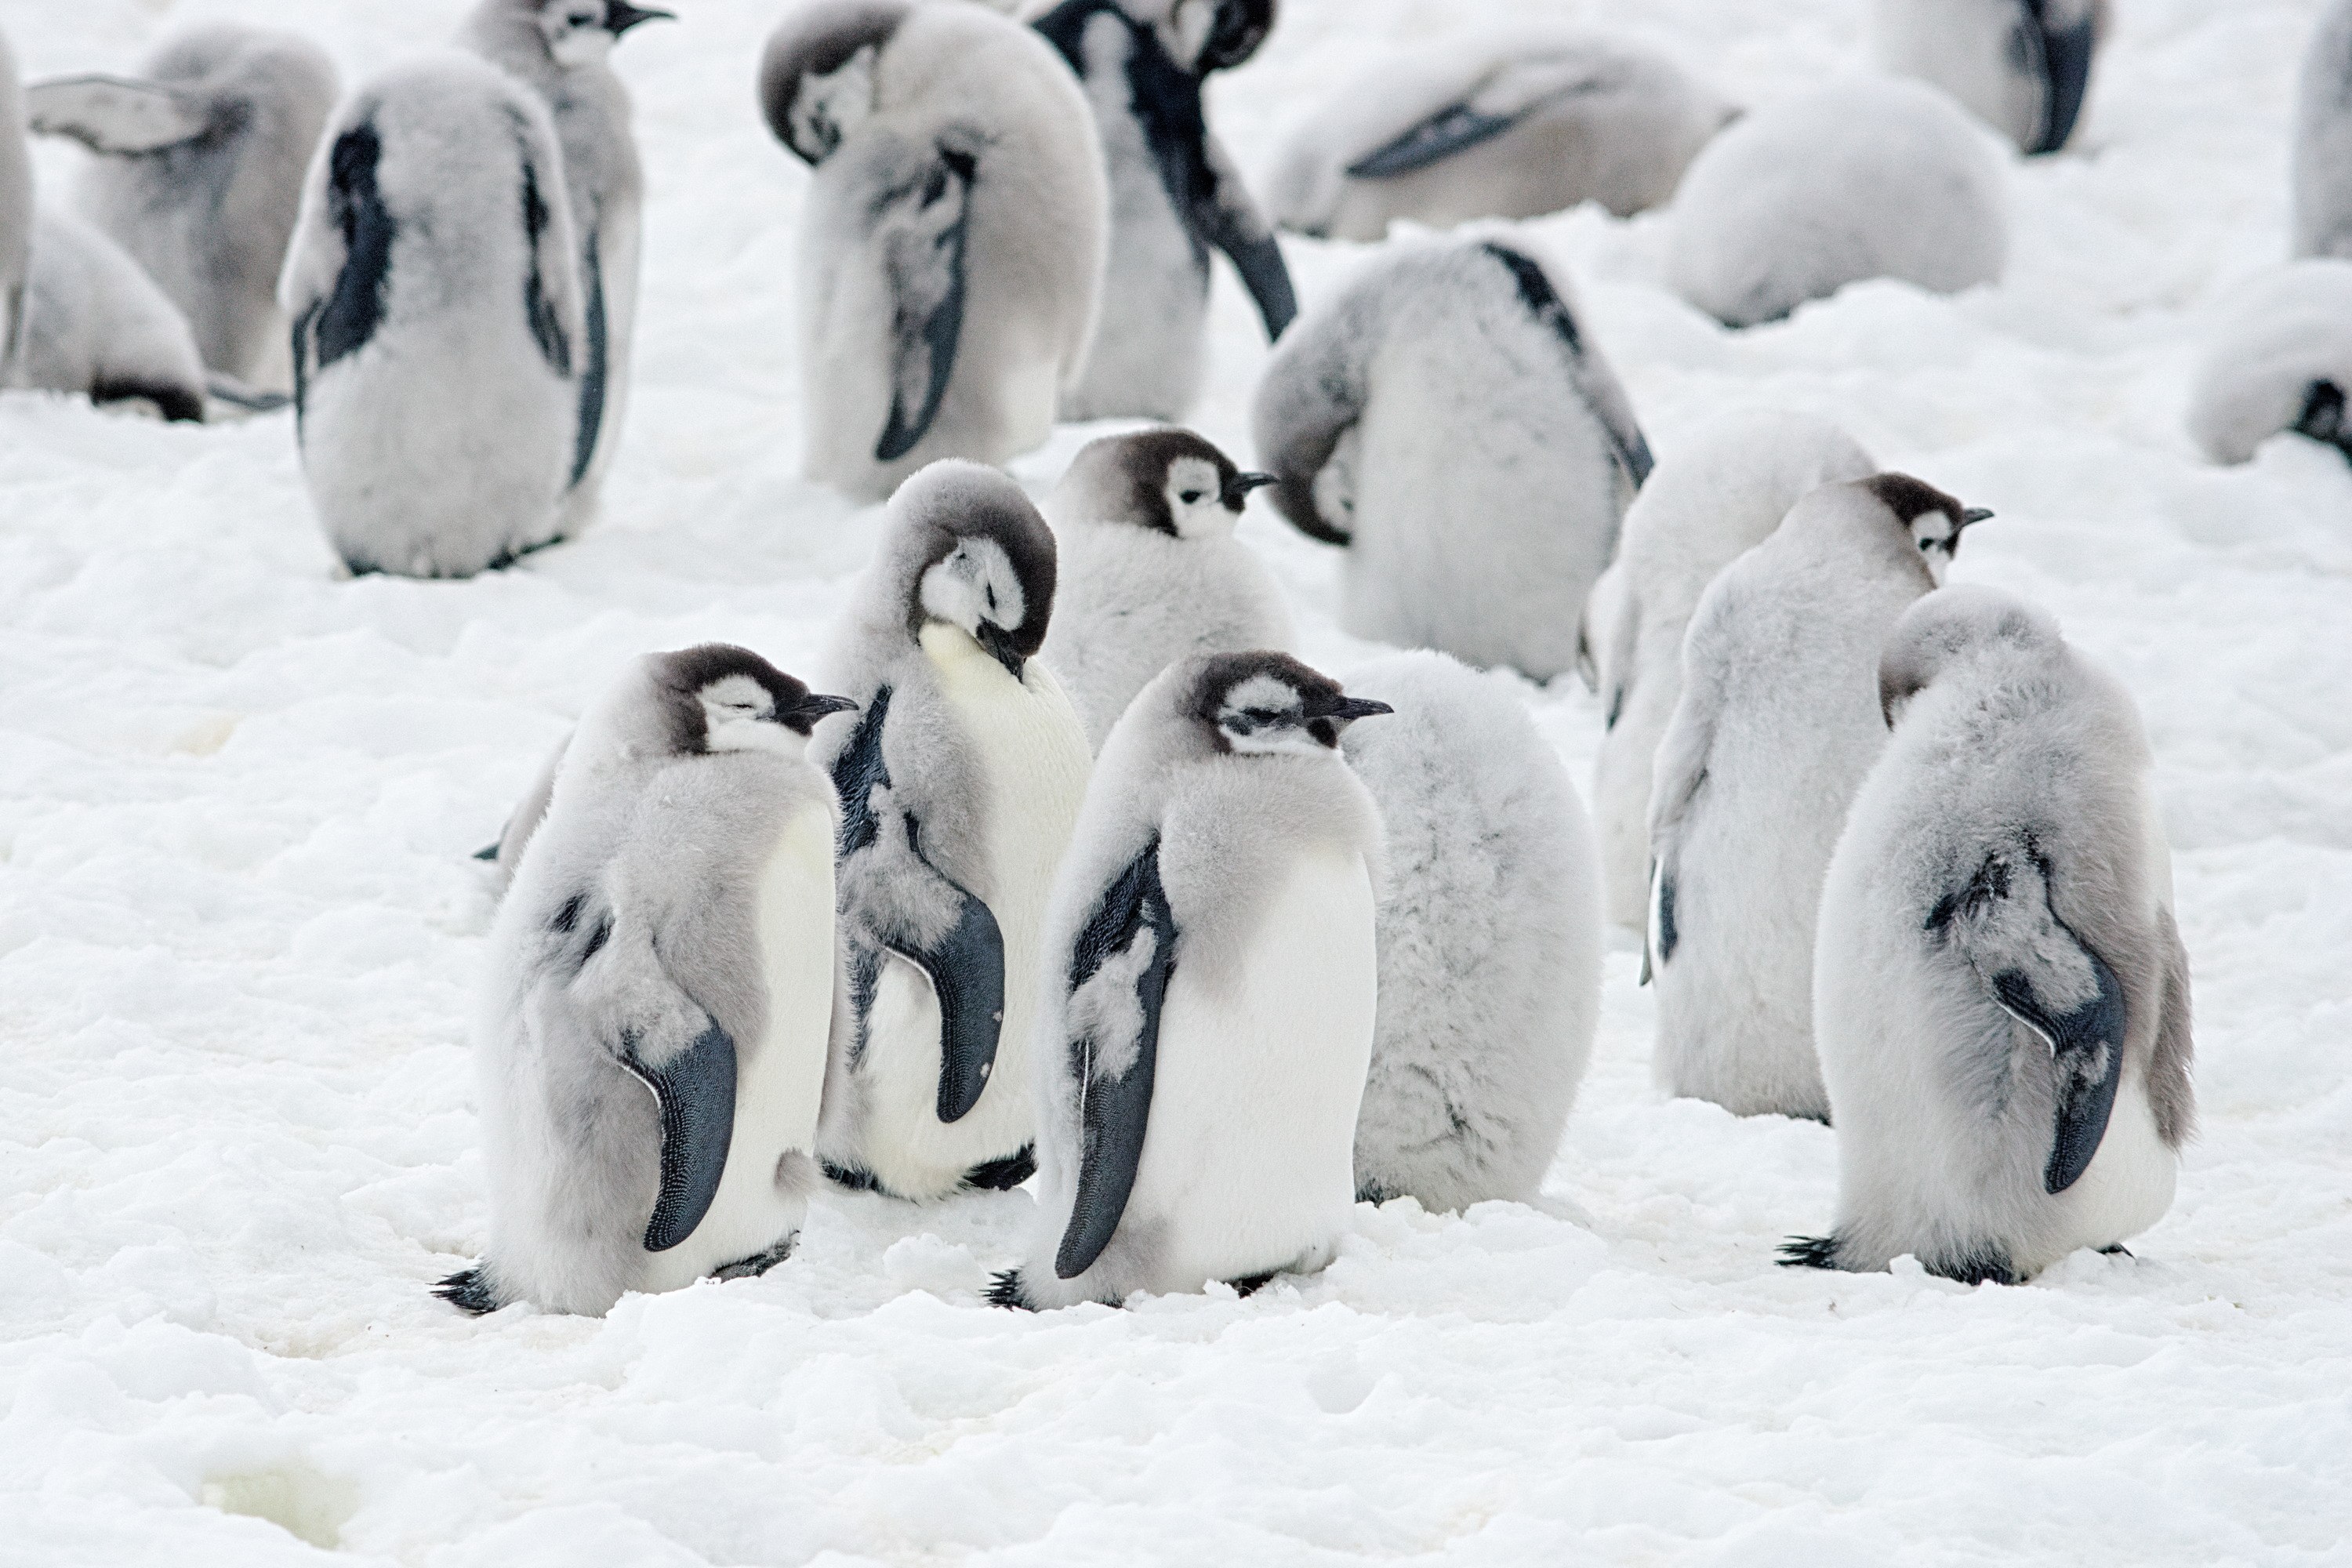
column 1118, row 980
column 923, row 253
column 1602, row 395
column 966, row 969
column 1431, row 139
column 1234, row 226
column 2064, row 56
column 696, row 1089
column 116, row 116
column 1498, row 100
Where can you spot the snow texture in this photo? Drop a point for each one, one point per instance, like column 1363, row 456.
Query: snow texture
column 240, row 938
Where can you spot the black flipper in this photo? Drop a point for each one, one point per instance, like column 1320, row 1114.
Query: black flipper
column 697, row 1092
column 2088, row 1050
column 116, row 115
column 2066, row 62
column 1543, row 302
column 1441, row 135
column 592, row 375
column 1258, row 259
column 348, row 318
column 926, row 263
column 1114, row 1111
column 538, row 306
column 966, row 969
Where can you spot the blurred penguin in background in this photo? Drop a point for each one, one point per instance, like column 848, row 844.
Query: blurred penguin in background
column 96, row 324
column 2322, row 139
column 2022, row 67
column 2277, row 358
column 15, row 211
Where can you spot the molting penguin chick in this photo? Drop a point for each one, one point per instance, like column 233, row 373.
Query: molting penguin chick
column 1859, row 179
column 433, row 285
column 2023, row 67
column 1448, row 419
column 1496, row 122
column 15, row 211
column 1489, row 940
column 951, row 250
column 1210, row 985
column 652, row 1050
column 2322, row 139
column 2000, row 992
column 1175, row 194
column 960, row 783
column 1151, row 571
column 199, row 176
column 1710, row 499
column 2277, row 358
column 1777, row 724
column 95, row 323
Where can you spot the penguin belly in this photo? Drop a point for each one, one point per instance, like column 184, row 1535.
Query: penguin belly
column 780, row 1084
column 2128, row 1188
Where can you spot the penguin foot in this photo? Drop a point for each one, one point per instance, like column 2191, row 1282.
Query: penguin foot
column 1249, row 1285
column 1808, row 1252
column 759, row 1263
column 1005, row 1291
column 469, row 1291
column 2118, row 1250
column 1003, row 1175
column 1374, row 1193
column 857, row 1178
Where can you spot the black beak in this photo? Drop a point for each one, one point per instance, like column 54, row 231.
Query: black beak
column 620, row 16
column 1975, row 514
column 1237, row 492
column 1348, row 709
column 999, row 644
column 803, row 714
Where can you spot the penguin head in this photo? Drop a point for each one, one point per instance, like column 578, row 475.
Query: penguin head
column 1204, row 35
column 1261, row 703
column 817, row 76
column 721, row 698
column 986, row 560
column 1932, row 519
column 1169, row 481
column 581, row 32
column 1942, row 628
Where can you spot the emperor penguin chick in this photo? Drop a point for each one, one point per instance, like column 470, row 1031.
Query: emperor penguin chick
column 95, row 323
column 1708, row 499
column 1777, row 724
column 1448, row 420
column 653, row 1042
column 2277, row 358
column 1210, row 985
column 1151, row 571
column 1489, row 940
column 960, row 783
column 2000, row 992
column 2023, row 67
column 952, row 250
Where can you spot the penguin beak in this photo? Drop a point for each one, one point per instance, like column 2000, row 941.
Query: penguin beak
column 1975, row 514
column 1238, row 493
column 1348, row 709
column 620, row 16
column 802, row 715
column 1000, row 645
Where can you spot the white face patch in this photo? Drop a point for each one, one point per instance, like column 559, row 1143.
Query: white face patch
column 1196, row 503
column 1935, row 533
column 975, row 583
column 575, row 30
column 739, row 715
column 1335, row 482
column 1186, row 30
column 832, row 107
column 1262, row 715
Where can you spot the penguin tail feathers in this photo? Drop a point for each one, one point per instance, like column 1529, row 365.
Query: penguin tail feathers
column 1810, row 1252
column 1006, row 1291
column 469, row 1291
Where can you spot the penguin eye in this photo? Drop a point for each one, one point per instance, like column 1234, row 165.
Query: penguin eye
column 1190, row 497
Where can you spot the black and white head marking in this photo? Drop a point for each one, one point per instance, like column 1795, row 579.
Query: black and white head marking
column 1933, row 520
column 1170, row 480
column 1214, row 34
column 1266, row 702
column 816, row 80
column 581, row 32
column 721, row 698
column 990, row 570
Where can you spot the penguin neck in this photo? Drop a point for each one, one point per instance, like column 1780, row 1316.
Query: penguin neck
column 962, row 665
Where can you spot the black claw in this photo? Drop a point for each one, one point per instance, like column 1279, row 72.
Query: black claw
column 1004, row 1290
column 470, row 1291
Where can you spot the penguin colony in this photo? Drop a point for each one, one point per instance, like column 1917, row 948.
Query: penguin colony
column 1068, row 873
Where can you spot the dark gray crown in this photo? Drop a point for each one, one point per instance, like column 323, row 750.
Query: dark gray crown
column 817, row 40
column 684, row 675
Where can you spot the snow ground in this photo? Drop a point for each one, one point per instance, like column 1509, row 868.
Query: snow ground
column 238, row 935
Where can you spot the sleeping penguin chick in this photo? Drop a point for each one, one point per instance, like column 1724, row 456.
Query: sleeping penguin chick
column 1489, row 940
column 1777, row 724
column 1175, row 195
column 94, row 323
column 1151, row 571
column 960, row 783
column 653, row 1042
column 15, row 212
column 1708, row 499
column 1208, row 989
column 2023, row 67
column 1510, row 121
column 2000, row 992
column 2277, row 358
column 952, row 250
column 1449, row 421
column 199, row 175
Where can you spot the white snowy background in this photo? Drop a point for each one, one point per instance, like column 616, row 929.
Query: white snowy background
column 239, row 934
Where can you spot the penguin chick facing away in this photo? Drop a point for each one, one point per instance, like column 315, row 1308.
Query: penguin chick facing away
column 96, row 324
column 1709, row 500
column 2322, row 139
column 652, row 1048
column 433, row 287
column 2022, row 67
column 560, row 49
column 1496, row 122
column 1489, row 940
column 2277, row 358
column 1210, row 985
column 1151, row 571
column 1175, row 195
column 2001, row 993
column 1861, row 179
column 1777, row 724
column 960, row 783
column 199, row 175
column 951, row 250
column 15, row 212
column 1448, row 419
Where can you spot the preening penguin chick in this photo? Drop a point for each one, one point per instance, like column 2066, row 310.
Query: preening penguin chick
column 1448, row 419
column 1708, row 499
column 1857, row 180
column 1150, row 570
column 15, row 211
column 2023, row 67
column 1495, row 122
column 199, row 176
column 1175, row 195
column 652, row 1049
column 2000, row 992
column 433, row 285
column 94, row 323
column 2322, row 139
column 2277, row 358
column 1777, row 724
column 1489, row 940
column 960, row 783
column 1209, row 985
column 952, row 250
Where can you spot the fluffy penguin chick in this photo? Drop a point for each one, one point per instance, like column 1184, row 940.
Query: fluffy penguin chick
column 1448, row 420
column 1495, row 122
column 15, row 211
column 1859, row 179
column 1175, row 194
column 2322, row 139
column 952, row 250
column 2023, row 67
column 1489, row 940
column 2001, row 991
column 95, row 323
column 1209, row 992
column 1151, row 571
column 200, row 175
column 2277, row 357
column 960, row 783
column 1717, row 494
column 435, row 289
column 1777, row 724
column 652, row 1044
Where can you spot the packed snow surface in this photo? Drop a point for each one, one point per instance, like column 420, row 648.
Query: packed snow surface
column 239, row 934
